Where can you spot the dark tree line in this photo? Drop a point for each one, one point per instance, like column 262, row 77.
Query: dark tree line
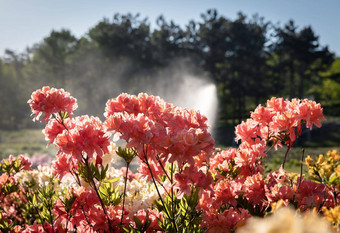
column 249, row 59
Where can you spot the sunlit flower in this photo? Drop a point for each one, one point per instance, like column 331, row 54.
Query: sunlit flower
column 87, row 139
column 49, row 101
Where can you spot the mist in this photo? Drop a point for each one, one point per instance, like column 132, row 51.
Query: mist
column 180, row 83
column 184, row 85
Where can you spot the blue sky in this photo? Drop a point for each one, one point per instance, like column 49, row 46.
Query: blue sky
column 25, row 22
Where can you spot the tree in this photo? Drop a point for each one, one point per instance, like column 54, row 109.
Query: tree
column 214, row 41
column 211, row 41
column 301, row 57
column 126, row 36
column 12, row 99
column 328, row 92
column 167, row 42
column 53, row 53
column 234, row 54
column 247, row 59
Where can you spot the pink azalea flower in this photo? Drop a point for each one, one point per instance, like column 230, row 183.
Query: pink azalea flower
column 225, row 222
column 225, row 193
column 88, row 138
column 64, row 165
column 262, row 115
column 254, row 190
column 38, row 228
column 25, row 162
column 314, row 115
column 311, row 194
column 141, row 120
column 49, row 101
column 247, row 131
column 53, row 128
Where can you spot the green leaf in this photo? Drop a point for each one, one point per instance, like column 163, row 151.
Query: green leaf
column 138, row 223
column 333, row 178
column 159, row 206
column 113, row 180
column 103, row 191
column 312, row 178
column 103, row 172
column 34, row 200
column 147, row 222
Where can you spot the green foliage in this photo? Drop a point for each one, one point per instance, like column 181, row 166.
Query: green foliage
column 40, row 202
column 10, row 167
column 109, row 193
column 328, row 91
column 127, row 154
column 90, row 171
column 183, row 216
column 5, row 226
column 333, row 72
column 68, row 201
column 8, row 188
column 254, row 210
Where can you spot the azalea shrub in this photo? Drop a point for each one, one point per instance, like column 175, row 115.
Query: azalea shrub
column 182, row 184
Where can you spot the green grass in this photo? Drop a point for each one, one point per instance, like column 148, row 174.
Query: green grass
column 28, row 141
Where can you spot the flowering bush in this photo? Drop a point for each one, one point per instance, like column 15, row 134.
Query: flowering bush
column 183, row 183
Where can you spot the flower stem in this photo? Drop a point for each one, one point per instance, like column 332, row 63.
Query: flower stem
column 159, row 194
column 172, row 191
column 160, row 163
column 125, row 182
column 284, row 160
column 302, row 158
column 96, row 190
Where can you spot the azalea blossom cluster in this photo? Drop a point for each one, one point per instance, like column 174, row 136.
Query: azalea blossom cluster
column 280, row 121
column 170, row 133
column 49, row 101
column 241, row 188
column 12, row 195
column 163, row 134
column 182, row 183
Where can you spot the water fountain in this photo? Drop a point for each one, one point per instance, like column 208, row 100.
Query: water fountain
column 193, row 93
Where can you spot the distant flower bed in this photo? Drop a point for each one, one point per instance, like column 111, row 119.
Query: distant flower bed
column 183, row 183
